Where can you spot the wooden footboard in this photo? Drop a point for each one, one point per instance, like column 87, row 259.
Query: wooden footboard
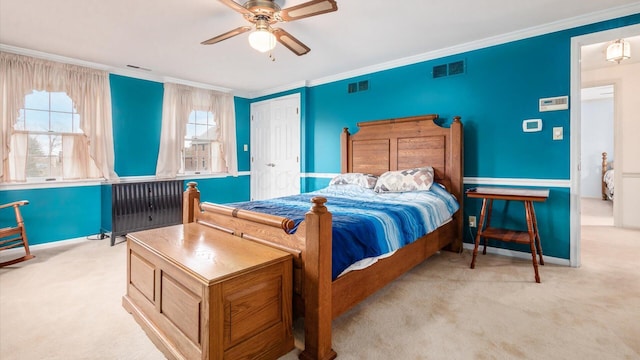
column 310, row 245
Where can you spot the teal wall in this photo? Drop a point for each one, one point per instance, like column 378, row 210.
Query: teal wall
column 55, row 214
column 500, row 87
column 137, row 121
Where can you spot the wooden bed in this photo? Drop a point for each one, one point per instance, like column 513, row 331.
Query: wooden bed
column 607, row 175
column 378, row 146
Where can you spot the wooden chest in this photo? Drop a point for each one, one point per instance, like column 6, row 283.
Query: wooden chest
column 200, row 293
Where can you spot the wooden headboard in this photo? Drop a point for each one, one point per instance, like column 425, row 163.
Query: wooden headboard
column 404, row 143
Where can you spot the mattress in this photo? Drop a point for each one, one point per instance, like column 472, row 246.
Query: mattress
column 367, row 225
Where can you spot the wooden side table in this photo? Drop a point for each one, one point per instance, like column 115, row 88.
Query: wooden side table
column 531, row 236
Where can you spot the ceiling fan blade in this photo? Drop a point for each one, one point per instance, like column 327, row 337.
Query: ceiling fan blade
column 237, row 7
column 310, row 8
column 227, row 35
column 290, row 42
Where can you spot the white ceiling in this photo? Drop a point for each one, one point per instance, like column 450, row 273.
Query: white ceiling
column 164, row 35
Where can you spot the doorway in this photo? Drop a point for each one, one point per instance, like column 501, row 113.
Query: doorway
column 579, row 59
column 275, row 147
column 597, row 145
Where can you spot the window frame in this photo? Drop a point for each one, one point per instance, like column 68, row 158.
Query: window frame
column 21, row 127
column 211, row 124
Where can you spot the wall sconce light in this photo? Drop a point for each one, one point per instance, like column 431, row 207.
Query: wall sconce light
column 618, row 50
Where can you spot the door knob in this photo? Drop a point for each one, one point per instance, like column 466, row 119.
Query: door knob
column 271, row 164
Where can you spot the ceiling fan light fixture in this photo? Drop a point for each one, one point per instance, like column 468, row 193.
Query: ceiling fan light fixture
column 618, row 50
column 262, row 39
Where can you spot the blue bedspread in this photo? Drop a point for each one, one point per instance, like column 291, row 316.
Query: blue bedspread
column 367, row 224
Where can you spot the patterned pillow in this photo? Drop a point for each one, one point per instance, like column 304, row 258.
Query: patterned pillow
column 405, row 180
column 367, row 181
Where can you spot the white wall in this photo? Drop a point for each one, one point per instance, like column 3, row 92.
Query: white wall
column 626, row 78
column 596, row 133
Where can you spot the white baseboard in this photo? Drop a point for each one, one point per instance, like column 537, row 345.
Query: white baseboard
column 49, row 245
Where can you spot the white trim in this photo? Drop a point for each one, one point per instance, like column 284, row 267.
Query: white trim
column 575, row 115
column 137, row 74
column 577, row 21
column 516, row 182
column 283, row 88
column 556, row 183
column 519, row 254
column 47, row 245
column 49, row 185
column 319, row 175
column 475, row 45
column 123, row 179
column 126, row 179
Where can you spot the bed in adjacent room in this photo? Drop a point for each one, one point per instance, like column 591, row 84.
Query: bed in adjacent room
column 393, row 154
column 607, row 178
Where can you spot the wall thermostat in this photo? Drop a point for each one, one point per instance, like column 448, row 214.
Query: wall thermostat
column 532, row 125
column 554, row 103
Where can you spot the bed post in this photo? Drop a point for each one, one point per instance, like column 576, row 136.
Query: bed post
column 457, row 176
column 604, row 170
column 317, row 284
column 344, row 151
column 190, row 195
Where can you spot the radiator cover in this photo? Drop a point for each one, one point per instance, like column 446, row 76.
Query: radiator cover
column 139, row 206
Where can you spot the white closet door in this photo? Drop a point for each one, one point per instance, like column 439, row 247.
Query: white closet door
column 275, row 147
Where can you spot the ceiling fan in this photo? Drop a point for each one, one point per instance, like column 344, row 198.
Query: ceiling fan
column 264, row 13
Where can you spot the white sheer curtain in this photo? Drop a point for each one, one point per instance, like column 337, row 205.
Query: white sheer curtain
column 178, row 102
column 91, row 94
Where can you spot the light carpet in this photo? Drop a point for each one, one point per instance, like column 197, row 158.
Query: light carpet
column 66, row 304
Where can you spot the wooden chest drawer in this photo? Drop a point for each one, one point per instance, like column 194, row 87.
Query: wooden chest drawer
column 203, row 294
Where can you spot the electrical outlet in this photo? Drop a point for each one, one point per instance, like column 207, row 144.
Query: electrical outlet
column 472, row 221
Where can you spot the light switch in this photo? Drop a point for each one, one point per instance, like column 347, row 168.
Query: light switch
column 246, row 147
column 557, row 133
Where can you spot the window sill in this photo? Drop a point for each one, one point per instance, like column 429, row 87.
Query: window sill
column 30, row 185
column 96, row 182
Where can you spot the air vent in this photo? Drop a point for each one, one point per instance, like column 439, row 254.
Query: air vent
column 439, row 71
column 456, row 68
column 358, row 86
column 138, row 67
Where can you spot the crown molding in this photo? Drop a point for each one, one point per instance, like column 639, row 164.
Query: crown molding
column 137, row 74
column 565, row 24
column 295, row 85
column 487, row 42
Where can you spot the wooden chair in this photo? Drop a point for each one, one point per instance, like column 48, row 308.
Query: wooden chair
column 11, row 237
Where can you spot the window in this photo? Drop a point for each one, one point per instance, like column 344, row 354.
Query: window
column 61, row 133
column 198, row 132
column 51, row 124
column 201, row 153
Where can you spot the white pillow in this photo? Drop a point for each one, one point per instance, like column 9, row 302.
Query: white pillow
column 367, row 181
column 405, row 180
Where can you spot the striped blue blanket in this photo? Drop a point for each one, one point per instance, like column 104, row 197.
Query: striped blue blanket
column 367, row 224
